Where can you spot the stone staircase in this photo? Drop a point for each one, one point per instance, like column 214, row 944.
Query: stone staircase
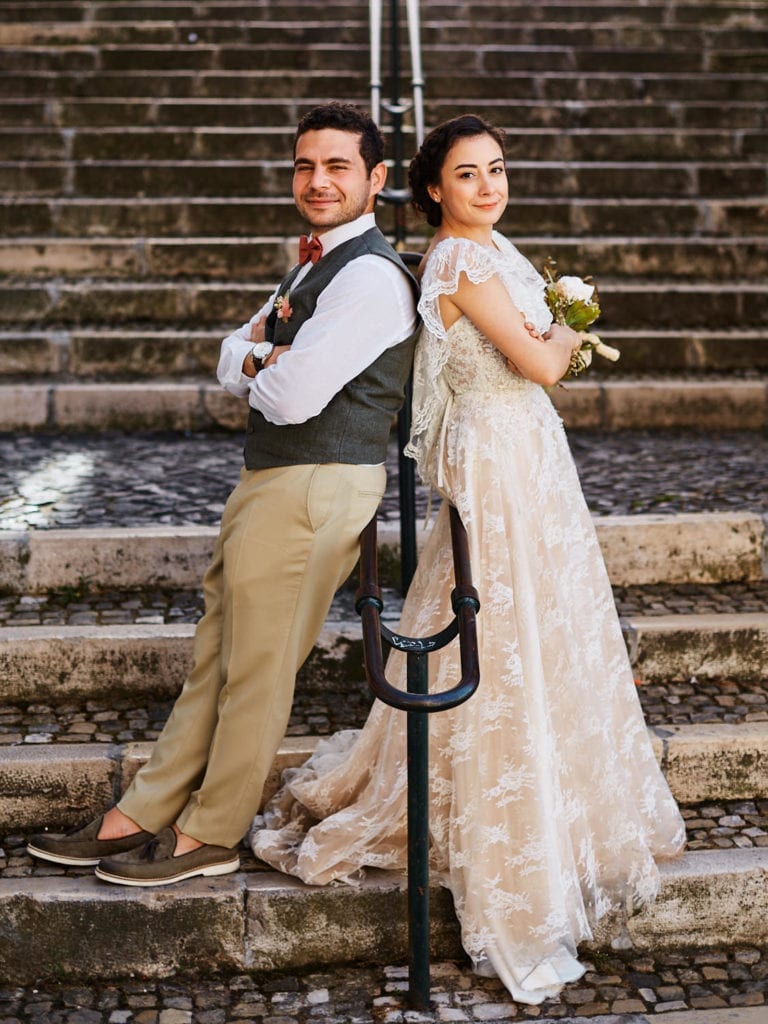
column 55, row 775
column 145, row 170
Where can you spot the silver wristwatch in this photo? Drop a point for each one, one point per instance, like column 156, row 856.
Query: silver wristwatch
column 260, row 352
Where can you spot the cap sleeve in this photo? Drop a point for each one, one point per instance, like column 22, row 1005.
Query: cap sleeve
column 450, row 259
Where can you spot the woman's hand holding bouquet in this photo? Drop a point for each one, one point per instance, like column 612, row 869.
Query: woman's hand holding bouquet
column 573, row 301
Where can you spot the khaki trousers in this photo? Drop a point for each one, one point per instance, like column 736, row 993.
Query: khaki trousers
column 289, row 538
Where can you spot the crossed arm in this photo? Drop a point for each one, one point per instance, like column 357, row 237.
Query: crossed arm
column 543, row 359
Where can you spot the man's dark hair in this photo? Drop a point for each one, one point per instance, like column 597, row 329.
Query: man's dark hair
column 426, row 166
column 346, row 117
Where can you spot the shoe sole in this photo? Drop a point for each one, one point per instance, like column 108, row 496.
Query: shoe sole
column 209, row 871
column 57, row 858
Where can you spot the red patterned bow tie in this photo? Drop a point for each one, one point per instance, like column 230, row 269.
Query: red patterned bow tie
column 309, row 250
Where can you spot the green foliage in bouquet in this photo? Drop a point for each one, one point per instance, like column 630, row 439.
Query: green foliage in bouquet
column 574, row 301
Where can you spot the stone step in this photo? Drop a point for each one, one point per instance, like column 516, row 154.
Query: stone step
column 330, row 693
column 146, row 354
column 532, row 113
column 512, row 30
column 698, row 646
column 325, row 56
column 701, row 217
column 738, row 12
column 266, row 178
column 659, row 305
column 262, row 143
column 620, row 404
column 575, row 113
column 59, row 785
column 275, row 216
column 264, row 921
column 279, row 84
column 324, row 702
column 311, row 55
column 639, row 550
column 45, row 664
column 657, row 404
column 591, row 85
column 601, row 84
column 667, row 259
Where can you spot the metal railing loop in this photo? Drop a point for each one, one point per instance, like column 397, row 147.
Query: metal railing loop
column 418, row 702
column 465, row 603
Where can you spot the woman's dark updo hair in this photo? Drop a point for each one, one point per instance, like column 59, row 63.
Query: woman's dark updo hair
column 425, row 168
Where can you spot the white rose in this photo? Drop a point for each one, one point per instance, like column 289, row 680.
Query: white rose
column 573, row 289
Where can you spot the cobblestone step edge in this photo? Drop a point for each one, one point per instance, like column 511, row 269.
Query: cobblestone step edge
column 61, row 785
column 55, row 664
column 81, row 927
column 711, row 547
column 609, row 405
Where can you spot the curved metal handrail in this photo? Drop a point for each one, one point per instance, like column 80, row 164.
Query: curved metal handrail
column 465, row 603
column 417, row 701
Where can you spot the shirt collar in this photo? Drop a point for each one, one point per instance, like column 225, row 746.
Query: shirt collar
column 344, row 232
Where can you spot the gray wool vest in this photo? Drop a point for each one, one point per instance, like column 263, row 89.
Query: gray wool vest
column 354, row 427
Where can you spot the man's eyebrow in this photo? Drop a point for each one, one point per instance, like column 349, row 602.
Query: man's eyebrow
column 305, row 161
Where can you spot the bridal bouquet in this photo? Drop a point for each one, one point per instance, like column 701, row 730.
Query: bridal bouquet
column 574, row 302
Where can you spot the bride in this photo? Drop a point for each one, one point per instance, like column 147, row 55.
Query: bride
column 548, row 810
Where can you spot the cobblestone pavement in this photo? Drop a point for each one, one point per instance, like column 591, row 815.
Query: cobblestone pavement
column 73, row 606
column 115, row 479
column 615, row 984
column 321, row 711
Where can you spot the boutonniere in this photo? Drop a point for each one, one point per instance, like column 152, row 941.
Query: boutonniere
column 284, row 308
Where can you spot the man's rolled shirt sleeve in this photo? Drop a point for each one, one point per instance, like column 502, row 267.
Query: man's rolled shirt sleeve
column 234, row 349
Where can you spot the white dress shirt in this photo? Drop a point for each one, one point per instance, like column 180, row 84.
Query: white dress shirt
column 367, row 308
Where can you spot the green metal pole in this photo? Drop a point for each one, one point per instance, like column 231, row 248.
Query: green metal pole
column 418, row 838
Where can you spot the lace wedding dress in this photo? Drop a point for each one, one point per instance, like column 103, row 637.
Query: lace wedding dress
column 548, row 809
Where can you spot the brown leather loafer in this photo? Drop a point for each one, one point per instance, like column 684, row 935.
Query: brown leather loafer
column 154, row 862
column 80, row 847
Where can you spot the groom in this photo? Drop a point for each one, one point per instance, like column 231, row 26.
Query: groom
column 323, row 365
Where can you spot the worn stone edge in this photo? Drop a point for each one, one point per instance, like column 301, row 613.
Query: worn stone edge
column 42, row 663
column 63, row 784
column 611, row 404
column 710, row 547
column 81, row 927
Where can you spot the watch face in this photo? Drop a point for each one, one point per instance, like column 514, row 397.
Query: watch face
column 262, row 349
